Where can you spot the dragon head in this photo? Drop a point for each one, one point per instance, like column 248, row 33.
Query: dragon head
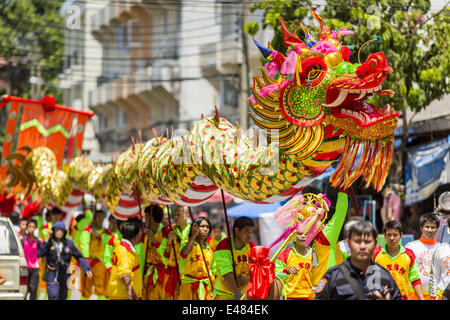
column 314, row 86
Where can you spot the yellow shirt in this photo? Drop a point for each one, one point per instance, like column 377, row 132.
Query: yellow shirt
column 296, row 285
column 403, row 267
column 193, row 263
column 125, row 262
column 154, row 252
column 182, row 237
column 196, row 273
column 213, row 242
column 222, row 260
column 321, row 261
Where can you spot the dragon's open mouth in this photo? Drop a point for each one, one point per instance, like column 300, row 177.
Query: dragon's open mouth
column 364, row 113
column 345, row 98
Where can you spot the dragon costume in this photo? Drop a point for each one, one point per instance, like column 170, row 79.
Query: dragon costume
column 310, row 103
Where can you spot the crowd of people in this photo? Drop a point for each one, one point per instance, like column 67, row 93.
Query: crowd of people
column 187, row 258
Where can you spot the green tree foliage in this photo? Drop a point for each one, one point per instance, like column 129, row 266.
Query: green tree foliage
column 32, row 31
column 415, row 39
column 290, row 10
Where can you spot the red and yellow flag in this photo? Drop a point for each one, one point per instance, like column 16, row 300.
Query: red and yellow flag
column 42, row 123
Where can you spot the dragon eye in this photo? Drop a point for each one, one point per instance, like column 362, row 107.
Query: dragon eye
column 313, row 71
column 373, row 63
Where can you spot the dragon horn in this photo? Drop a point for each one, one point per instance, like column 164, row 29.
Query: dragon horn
column 308, row 36
column 217, row 116
column 133, row 143
column 264, row 51
column 324, row 30
column 289, row 38
column 305, row 29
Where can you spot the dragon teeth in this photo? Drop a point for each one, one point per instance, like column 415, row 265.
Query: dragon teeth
column 362, row 94
column 388, row 108
column 342, row 96
column 365, row 91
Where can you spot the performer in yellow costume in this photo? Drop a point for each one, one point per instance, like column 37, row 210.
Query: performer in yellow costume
column 125, row 281
column 216, row 236
column 178, row 239
column 195, row 265
column 326, row 251
column 154, row 246
column 398, row 260
column 93, row 240
column 227, row 287
column 77, row 225
column 293, row 265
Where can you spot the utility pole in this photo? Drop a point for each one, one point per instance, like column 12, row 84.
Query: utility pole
column 36, row 86
column 244, row 72
column 38, row 74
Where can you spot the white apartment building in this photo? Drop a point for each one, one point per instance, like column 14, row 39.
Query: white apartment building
column 143, row 64
column 81, row 63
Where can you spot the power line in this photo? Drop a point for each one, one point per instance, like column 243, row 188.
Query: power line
column 129, row 76
column 176, row 38
column 174, row 57
column 215, row 3
column 237, row 4
column 95, row 27
column 129, row 81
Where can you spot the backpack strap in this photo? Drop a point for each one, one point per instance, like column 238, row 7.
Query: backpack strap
column 356, row 288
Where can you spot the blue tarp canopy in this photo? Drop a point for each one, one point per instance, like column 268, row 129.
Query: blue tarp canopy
column 253, row 210
column 427, row 167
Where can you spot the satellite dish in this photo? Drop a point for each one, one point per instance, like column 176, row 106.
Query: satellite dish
column 444, row 201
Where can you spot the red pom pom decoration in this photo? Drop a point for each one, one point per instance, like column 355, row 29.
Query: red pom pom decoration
column 48, row 103
column 345, row 53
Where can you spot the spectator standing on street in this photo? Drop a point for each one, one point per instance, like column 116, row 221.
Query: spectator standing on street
column 358, row 277
column 22, row 228
column 440, row 271
column 30, row 245
column 14, row 216
column 423, row 250
column 58, row 251
column 343, row 244
column 398, row 260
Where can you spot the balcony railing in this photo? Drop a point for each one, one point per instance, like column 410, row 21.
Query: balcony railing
column 113, row 87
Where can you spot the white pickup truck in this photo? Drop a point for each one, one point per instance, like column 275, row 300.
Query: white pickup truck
column 12, row 263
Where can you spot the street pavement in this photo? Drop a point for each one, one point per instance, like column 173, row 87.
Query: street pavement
column 74, row 295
